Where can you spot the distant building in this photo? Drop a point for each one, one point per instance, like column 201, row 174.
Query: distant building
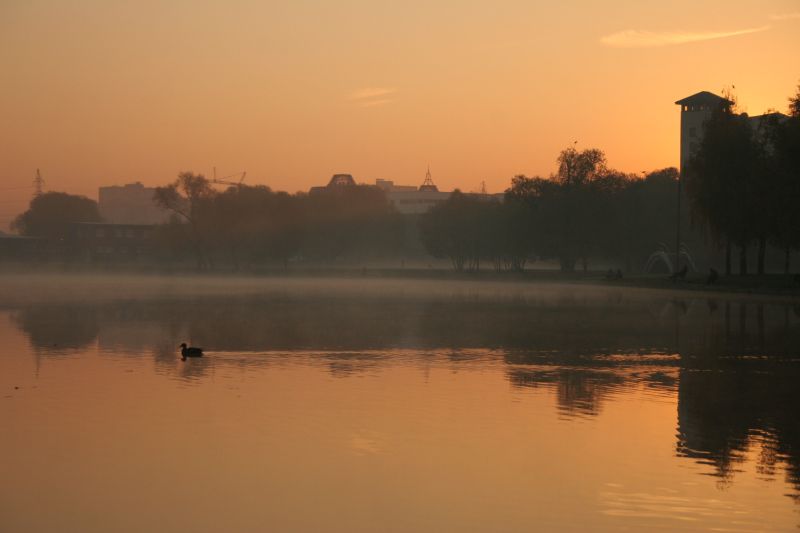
column 18, row 247
column 130, row 204
column 337, row 181
column 101, row 241
column 389, row 186
column 406, row 199
column 695, row 110
column 410, row 200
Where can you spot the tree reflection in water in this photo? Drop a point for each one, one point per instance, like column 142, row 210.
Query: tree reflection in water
column 732, row 362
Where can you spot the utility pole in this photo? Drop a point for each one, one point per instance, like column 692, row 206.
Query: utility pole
column 678, row 229
column 38, row 184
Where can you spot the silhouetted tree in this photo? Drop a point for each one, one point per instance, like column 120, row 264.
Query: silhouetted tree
column 721, row 181
column 538, row 197
column 641, row 215
column 50, row 214
column 743, row 180
column 461, row 230
column 255, row 224
column 354, row 219
column 784, row 183
column 184, row 197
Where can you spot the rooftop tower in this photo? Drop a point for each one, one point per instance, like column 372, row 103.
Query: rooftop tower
column 428, row 184
column 695, row 110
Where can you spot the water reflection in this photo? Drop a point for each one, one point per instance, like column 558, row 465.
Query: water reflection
column 732, row 362
column 737, row 410
column 559, row 325
column 581, row 391
column 59, row 329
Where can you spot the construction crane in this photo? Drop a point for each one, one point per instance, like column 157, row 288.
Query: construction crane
column 226, row 180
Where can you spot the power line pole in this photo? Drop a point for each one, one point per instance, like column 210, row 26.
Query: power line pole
column 678, row 229
column 38, row 184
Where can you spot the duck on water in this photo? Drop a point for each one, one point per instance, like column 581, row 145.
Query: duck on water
column 190, row 351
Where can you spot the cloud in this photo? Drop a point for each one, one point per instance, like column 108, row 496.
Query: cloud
column 375, row 103
column 372, row 96
column 371, row 92
column 786, row 16
column 647, row 39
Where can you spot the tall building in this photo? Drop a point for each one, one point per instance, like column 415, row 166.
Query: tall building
column 130, row 204
column 698, row 108
column 695, row 110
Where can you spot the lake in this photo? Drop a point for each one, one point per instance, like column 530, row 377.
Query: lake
column 394, row 405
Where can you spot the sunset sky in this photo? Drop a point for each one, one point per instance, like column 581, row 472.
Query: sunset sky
column 102, row 92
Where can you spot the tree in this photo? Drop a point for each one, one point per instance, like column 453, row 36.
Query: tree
column 794, row 104
column 355, row 219
column 460, row 229
column 579, row 168
column 783, row 136
column 722, row 180
column 535, row 201
column 50, row 214
column 185, row 197
column 578, row 176
column 255, row 224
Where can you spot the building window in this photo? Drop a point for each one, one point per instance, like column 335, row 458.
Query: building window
column 692, row 148
column 692, row 132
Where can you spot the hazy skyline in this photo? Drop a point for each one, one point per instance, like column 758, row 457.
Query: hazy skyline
column 103, row 92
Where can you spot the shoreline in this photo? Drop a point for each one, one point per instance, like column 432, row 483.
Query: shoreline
column 770, row 285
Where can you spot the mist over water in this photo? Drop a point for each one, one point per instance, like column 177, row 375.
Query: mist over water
column 394, row 405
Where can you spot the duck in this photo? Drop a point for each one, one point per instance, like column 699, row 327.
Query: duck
column 190, row 351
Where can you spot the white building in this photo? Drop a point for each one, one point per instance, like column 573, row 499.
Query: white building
column 410, row 200
column 130, row 204
column 406, row 199
column 695, row 110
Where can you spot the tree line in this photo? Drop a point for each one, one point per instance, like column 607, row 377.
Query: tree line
column 242, row 226
column 743, row 183
column 247, row 226
column 583, row 211
column 742, row 188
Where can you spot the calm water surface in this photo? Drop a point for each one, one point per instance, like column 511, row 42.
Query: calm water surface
column 395, row 406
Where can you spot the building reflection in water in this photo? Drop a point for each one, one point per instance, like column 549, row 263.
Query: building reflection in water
column 732, row 362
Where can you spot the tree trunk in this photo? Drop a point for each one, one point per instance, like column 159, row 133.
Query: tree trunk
column 567, row 263
column 787, row 260
column 743, row 260
column 762, row 252
column 728, row 253
column 742, row 321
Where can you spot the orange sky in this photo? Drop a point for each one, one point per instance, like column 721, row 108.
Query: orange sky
column 98, row 92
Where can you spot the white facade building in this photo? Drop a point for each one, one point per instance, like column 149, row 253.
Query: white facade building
column 130, row 204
